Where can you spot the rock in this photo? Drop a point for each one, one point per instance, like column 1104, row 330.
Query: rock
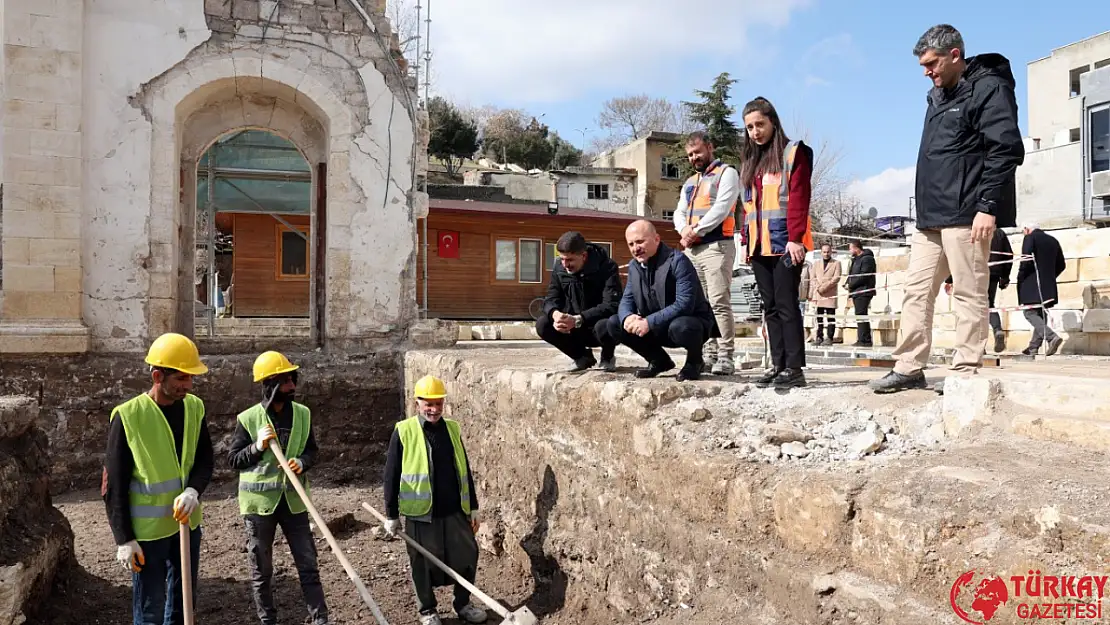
column 491, row 537
column 868, row 441
column 700, row 414
column 770, row 451
column 775, row 434
column 796, row 449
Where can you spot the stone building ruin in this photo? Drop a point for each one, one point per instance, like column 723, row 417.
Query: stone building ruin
column 109, row 105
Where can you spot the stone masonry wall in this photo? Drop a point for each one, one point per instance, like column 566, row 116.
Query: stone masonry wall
column 354, row 401
column 36, row 542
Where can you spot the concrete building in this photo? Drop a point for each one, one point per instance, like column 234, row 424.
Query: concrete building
column 657, row 181
column 108, row 107
column 604, row 189
column 1064, row 97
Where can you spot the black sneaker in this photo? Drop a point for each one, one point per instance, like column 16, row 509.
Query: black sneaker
column 584, row 363
column 999, row 342
column 609, row 359
column 1053, row 346
column 790, row 378
column 768, row 376
column 690, row 371
column 895, row 381
column 655, row 368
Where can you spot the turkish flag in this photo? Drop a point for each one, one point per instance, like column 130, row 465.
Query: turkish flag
column 448, row 244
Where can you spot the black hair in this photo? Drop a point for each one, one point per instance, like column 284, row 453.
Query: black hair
column 571, row 243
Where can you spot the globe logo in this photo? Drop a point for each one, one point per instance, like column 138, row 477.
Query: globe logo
column 988, row 595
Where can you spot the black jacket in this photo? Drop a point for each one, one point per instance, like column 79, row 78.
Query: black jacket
column 1050, row 263
column 594, row 292
column 970, row 148
column 864, row 263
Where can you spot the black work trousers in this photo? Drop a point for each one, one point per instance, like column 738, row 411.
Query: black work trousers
column 778, row 287
column 451, row 540
column 260, row 546
column 862, row 304
column 689, row 333
column 577, row 342
column 992, row 290
column 826, row 319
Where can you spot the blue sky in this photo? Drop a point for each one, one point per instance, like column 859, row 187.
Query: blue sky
column 843, row 68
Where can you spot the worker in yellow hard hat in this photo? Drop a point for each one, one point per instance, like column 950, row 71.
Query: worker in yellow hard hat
column 267, row 499
column 437, row 498
column 158, row 463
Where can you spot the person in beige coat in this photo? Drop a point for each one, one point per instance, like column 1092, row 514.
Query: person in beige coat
column 824, row 277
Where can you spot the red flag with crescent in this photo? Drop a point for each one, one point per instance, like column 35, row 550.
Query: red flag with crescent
column 448, row 244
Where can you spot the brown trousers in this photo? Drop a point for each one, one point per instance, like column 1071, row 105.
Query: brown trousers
column 934, row 254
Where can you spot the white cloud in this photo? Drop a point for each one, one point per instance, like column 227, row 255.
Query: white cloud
column 888, row 191
column 544, row 51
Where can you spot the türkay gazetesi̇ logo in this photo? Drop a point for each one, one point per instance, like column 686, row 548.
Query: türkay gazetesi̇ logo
column 1031, row 596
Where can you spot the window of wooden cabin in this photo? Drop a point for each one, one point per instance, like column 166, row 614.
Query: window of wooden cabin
column 519, row 261
column 292, row 253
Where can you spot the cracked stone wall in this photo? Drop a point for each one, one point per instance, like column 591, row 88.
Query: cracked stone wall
column 159, row 82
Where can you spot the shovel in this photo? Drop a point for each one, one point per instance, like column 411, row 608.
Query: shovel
column 521, row 616
column 186, row 573
column 362, row 591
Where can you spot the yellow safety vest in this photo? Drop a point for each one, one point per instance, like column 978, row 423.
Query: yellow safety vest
column 415, row 495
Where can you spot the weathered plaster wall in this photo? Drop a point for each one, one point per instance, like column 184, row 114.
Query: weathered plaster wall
column 163, row 80
column 622, row 193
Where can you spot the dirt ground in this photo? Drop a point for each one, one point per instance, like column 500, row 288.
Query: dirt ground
column 100, row 593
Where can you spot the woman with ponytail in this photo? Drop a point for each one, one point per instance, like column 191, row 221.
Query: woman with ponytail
column 776, row 180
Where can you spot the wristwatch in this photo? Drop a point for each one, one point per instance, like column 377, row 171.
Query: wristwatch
column 578, row 321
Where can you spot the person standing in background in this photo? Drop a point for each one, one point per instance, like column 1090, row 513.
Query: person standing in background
column 776, row 179
column 1036, row 284
column 825, row 280
column 861, row 289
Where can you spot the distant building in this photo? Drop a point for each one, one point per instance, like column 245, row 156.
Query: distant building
column 657, row 181
column 1069, row 136
column 608, row 189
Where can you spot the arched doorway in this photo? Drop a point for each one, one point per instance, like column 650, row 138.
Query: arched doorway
column 254, row 269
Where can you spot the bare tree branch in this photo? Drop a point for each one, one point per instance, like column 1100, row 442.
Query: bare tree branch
column 830, row 209
column 632, row 117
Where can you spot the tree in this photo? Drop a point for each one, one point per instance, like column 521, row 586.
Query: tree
column 632, row 117
column 508, row 140
column 453, row 138
column 565, row 154
column 714, row 114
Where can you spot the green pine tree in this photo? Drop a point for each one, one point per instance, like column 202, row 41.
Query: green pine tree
column 713, row 114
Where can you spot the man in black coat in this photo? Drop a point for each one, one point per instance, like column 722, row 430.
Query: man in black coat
column 584, row 292
column 861, row 288
column 1036, row 284
column 970, row 149
column 663, row 306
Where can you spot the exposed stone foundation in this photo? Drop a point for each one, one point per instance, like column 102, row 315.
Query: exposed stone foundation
column 35, row 539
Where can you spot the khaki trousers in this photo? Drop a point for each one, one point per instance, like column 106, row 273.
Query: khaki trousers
column 713, row 262
column 934, row 254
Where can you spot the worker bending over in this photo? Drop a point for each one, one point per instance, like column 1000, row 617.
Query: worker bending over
column 266, row 498
column 428, row 481
column 158, row 463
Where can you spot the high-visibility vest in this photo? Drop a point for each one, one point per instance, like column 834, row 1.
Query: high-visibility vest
column 262, row 486
column 415, row 495
column 158, row 475
column 700, row 193
column 766, row 224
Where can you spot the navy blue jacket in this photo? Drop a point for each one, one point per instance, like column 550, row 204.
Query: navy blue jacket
column 677, row 290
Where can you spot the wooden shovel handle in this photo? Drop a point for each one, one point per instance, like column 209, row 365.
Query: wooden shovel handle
column 362, row 591
column 183, row 533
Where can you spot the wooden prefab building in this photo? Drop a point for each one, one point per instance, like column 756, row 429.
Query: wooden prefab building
column 490, row 260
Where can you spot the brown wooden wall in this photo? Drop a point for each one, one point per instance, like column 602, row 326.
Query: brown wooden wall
column 465, row 288
column 259, row 292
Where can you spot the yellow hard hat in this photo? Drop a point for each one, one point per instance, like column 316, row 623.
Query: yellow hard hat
column 175, row 351
column 429, row 387
column 271, row 363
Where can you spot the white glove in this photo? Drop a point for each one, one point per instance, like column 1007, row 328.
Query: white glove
column 130, row 555
column 475, row 521
column 265, row 435
column 184, row 504
column 391, row 526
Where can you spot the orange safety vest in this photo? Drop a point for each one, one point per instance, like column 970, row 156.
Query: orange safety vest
column 766, row 224
column 700, row 193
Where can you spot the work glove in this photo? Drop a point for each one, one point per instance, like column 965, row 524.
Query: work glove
column 296, row 466
column 391, row 526
column 130, row 555
column 265, row 435
column 475, row 522
column 184, row 504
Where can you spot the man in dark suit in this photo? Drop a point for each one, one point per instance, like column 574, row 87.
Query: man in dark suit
column 663, row 306
column 584, row 292
column 1036, row 282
